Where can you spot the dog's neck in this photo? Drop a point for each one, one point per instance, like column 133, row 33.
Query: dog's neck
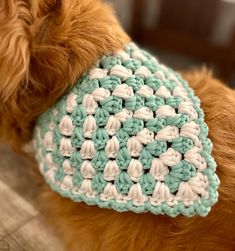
column 64, row 43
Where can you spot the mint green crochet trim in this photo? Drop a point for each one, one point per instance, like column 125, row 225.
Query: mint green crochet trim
column 126, row 130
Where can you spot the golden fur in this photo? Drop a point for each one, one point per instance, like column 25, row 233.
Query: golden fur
column 45, row 45
column 50, row 43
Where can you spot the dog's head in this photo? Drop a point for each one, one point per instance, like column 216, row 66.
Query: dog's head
column 45, row 45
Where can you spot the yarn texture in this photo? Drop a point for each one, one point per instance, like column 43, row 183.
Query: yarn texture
column 131, row 136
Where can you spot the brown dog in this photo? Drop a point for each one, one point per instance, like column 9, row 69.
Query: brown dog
column 45, row 45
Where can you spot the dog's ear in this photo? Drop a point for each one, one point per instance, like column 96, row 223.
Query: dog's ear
column 21, row 26
column 15, row 21
column 45, row 45
column 22, row 23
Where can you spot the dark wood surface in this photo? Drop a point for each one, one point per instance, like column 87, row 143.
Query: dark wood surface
column 195, row 18
column 185, row 27
column 22, row 226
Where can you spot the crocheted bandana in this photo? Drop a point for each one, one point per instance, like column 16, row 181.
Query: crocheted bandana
column 130, row 135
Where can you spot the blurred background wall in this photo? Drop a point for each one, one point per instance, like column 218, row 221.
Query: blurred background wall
column 184, row 33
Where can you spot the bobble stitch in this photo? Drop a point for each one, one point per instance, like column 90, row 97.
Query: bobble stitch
column 123, row 91
column 135, row 82
column 163, row 92
column 154, row 102
column 100, row 94
column 77, row 179
column 109, row 193
column 143, row 71
column 77, row 137
column 192, row 156
column 178, row 120
column 146, row 159
column 112, row 104
column 111, row 170
column 71, row 102
column 157, row 147
column 123, row 183
column 66, row 148
column 135, row 170
column 159, row 75
column 152, row 82
column 113, row 125
column 147, row 183
column 121, row 72
column 187, row 107
column 170, row 85
column 134, row 146
column 109, row 62
column 123, row 55
column 123, row 115
column 87, row 170
column 123, row 158
column 66, row 126
column 145, row 136
column 161, row 194
column 100, row 138
column 132, row 64
column 133, row 126
column 87, row 86
column 59, row 175
column 174, row 101
column 101, row 117
column 199, row 184
column 110, row 82
column 170, row 157
column 67, row 167
column 172, row 77
column 165, row 111
column 143, row 113
column 151, row 65
column 190, row 130
column 169, row 133
column 135, row 194
column 78, row 115
column 98, row 183
column 186, row 194
column 86, row 188
column 89, row 126
column 89, row 104
column 67, row 183
column 112, row 147
column 156, row 124
column 182, row 171
column 97, row 73
column 158, row 170
column 133, row 103
column 145, row 91
column 181, row 92
column 182, row 144
column 99, row 161
column 88, row 150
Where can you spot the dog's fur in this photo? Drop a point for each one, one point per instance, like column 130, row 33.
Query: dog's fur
column 45, row 45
